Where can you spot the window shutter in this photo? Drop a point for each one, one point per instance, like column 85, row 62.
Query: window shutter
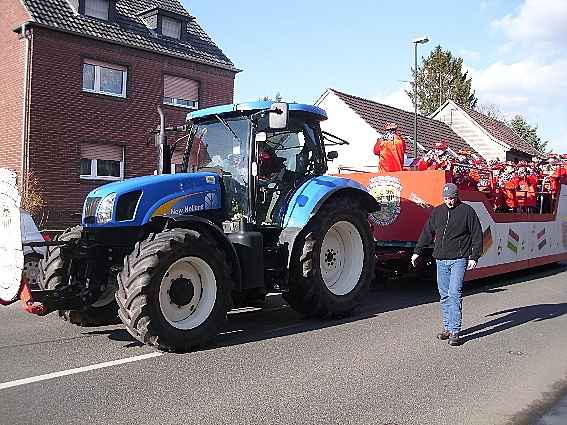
column 170, row 27
column 180, row 88
column 101, row 151
column 97, row 8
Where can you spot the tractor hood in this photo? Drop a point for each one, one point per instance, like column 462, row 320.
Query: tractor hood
column 135, row 201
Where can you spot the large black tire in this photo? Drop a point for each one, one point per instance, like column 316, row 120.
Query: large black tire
column 146, row 305
column 308, row 293
column 52, row 270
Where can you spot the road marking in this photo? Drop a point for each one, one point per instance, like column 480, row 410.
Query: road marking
column 53, row 375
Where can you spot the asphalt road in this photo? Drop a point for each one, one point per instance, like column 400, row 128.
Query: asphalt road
column 382, row 366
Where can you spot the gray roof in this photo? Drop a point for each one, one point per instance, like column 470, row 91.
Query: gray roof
column 128, row 29
column 171, row 5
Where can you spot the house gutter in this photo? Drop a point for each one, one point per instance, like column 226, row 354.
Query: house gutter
column 25, row 104
column 145, row 49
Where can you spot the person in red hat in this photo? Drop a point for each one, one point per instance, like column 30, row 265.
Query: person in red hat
column 435, row 159
column 526, row 191
column 498, row 198
column 509, row 183
column 390, row 149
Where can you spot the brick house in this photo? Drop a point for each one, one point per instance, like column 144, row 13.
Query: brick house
column 360, row 121
column 81, row 83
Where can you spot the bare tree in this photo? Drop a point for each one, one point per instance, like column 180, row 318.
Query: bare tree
column 491, row 110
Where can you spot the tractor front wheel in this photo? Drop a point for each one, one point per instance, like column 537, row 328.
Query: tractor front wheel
column 173, row 292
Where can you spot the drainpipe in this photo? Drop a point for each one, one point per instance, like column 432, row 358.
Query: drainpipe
column 164, row 150
column 25, row 105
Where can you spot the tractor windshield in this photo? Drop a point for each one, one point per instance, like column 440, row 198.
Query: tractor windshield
column 221, row 145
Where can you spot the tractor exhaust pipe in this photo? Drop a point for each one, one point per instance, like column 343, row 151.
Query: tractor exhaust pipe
column 163, row 149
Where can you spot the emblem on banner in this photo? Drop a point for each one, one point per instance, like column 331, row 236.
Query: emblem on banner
column 387, row 191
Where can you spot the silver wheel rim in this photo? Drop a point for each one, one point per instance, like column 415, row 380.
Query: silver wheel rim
column 200, row 303
column 342, row 258
column 31, row 271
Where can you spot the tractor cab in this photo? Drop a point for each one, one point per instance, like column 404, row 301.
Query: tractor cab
column 261, row 150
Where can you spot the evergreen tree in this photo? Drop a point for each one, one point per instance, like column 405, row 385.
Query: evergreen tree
column 439, row 78
column 527, row 133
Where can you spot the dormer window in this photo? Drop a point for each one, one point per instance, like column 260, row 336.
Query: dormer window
column 166, row 23
column 97, row 8
column 170, row 27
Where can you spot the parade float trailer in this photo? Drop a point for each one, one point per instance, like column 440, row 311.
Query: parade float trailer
column 511, row 241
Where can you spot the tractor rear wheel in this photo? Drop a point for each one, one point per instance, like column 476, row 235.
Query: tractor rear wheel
column 52, row 272
column 173, row 292
column 332, row 264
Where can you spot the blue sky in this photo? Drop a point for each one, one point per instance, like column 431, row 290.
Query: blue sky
column 516, row 51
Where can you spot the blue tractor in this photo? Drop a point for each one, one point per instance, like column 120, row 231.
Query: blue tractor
column 249, row 211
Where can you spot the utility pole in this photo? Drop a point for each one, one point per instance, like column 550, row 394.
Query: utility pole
column 421, row 40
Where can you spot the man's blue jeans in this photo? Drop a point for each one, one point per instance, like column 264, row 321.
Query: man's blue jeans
column 450, row 275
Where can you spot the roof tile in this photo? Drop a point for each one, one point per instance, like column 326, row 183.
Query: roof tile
column 500, row 131
column 128, row 28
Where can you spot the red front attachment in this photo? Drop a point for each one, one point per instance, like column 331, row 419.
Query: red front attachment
column 28, row 303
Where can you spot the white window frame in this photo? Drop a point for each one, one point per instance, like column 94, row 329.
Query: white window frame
column 97, row 66
column 176, row 102
column 94, row 176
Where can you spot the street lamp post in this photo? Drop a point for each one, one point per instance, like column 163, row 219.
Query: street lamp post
column 421, row 40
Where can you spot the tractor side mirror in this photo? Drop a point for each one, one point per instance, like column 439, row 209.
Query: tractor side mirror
column 332, row 155
column 278, row 115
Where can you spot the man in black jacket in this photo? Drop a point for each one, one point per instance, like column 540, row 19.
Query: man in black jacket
column 455, row 230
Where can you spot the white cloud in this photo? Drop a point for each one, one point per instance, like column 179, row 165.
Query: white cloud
column 537, row 91
column 398, row 99
column 522, row 83
column 536, row 21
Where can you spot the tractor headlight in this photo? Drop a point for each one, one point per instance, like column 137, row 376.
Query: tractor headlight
column 105, row 208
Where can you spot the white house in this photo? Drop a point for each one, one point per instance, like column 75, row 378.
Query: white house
column 360, row 122
column 493, row 139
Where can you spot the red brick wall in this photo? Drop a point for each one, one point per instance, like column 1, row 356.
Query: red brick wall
column 63, row 116
column 11, row 84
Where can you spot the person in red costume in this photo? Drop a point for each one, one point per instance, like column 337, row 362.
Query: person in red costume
column 563, row 165
column 509, row 182
column 390, row 149
column 498, row 198
column 526, row 191
column 435, row 159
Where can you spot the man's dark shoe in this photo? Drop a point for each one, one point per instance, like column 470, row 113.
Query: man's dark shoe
column 454, row 339
column 443, row 335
